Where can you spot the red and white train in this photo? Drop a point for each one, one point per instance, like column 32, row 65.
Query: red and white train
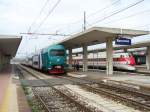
column 123, row 61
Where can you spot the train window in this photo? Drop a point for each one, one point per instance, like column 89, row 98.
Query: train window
column 130, row 55
column 35, row 63
column 121, row 56
column 55, row 52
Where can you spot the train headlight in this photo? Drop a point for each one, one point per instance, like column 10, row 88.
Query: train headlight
column 58, row 67
column 49, row 68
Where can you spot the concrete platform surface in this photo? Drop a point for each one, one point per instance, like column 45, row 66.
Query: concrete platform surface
column 4, row 82
column 133, row 78
column 9, row 93
column 142, row 69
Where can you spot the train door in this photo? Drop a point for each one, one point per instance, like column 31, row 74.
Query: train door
column 36, row 61
column 40, row 61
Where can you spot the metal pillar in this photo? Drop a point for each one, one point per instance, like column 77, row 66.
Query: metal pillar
column 70, row 58
column 109, row 56
column 148, row 58
column 85, row 67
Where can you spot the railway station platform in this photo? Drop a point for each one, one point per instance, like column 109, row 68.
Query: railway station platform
column 142, row 69
column 12, row 98
column 137, row 79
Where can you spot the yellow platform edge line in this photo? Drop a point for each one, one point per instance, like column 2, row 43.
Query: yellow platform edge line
column 9, row 102
column 5, row 102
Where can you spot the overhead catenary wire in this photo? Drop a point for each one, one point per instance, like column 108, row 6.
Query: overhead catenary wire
column 132, row 5
column 101, row 10
column 142, row 0
column 114, row 13
column 34, row 21
column 42, row 22
column 129, row 16
column 94, row 13
column 88, row 16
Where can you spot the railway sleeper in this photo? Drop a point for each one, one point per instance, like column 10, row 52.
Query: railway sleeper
column 118, row 97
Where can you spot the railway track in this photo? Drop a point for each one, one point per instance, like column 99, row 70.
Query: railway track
column 127, row 96
column 54, row 100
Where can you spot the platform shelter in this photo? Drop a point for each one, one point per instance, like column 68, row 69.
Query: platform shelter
column 8, row 47
column 98, row 35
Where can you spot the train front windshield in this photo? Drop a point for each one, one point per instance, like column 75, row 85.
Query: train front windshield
column 57, row 53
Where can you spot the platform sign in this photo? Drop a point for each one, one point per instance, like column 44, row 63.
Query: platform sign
column 123, row 41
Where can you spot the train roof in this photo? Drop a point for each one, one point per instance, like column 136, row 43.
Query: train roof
column 55, row 46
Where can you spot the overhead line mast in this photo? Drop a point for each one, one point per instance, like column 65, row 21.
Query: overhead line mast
column 29, row 30
column 47, row 15
column 90, row 15
column 84, row 21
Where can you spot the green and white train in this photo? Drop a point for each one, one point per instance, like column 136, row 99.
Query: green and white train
column 51, row 59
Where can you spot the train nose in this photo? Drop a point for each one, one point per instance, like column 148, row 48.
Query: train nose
column 131, row 61
column 57, row 60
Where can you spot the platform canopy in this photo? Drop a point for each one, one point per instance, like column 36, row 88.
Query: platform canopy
column 135, row 45
column 9, row 44
column 97, row 35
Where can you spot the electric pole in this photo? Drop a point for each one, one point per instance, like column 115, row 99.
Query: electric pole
column 84, row 21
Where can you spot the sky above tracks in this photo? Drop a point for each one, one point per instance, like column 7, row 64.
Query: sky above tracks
column 21, row 16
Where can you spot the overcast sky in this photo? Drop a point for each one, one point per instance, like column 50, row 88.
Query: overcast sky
column 16, row 16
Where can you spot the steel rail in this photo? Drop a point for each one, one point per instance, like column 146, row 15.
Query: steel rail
column 82, row 107
column 119, row 87
column 114, row 95
column 42, row 101
column 119, row 97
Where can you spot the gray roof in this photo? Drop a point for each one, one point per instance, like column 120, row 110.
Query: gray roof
column 9, row 44
column 98, row 35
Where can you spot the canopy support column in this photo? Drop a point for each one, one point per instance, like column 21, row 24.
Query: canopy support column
column 109, row 56
column 148, row 58
column 85, row 53
column 70, row 58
